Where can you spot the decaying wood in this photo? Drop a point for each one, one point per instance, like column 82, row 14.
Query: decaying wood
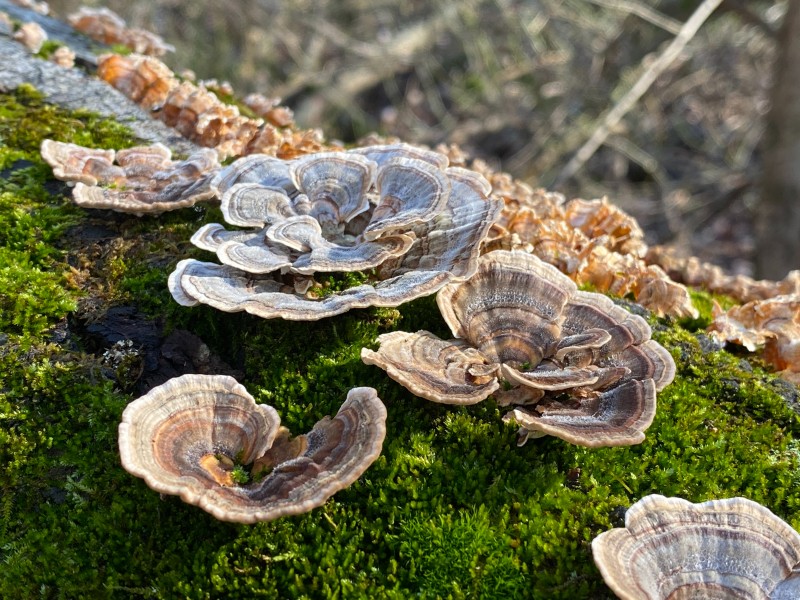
column 75, row 89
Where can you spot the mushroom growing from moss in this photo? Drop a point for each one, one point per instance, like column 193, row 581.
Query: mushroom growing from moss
column 574, row 364
column 395, row 213
column 197, row 436
column 671, row 548
column 139, row 180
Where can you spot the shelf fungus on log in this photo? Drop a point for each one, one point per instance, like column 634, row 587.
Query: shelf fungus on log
column 140, row 180
column 693, row 272
column 199, row 115
column 773, row 323
column 395, row 214
column 591, row 241
column 671, row 548
column 204, row 438
column 572, row 364
column 106, row 26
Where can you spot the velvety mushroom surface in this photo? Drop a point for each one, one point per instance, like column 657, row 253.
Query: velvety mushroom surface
column 671, row 548
column 204, row 438
column 139, row 180
column 571, row 364
column 395, row 214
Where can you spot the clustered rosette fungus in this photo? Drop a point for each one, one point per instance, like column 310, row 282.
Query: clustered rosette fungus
column 572, row 363
column 139, row 180
column 396, row 212
column 671, row 548
column 186, row 436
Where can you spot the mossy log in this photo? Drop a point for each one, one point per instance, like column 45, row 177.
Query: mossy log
column 452, row 509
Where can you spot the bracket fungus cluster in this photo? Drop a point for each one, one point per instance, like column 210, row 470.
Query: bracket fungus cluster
column 395, row 211
column 186, row 436
column 199, row 115
column 106, row 26
column 773, row 323
column 671, row 548
column 137, row 180
column 693, row 272
column 574, row 364
column 592, row 241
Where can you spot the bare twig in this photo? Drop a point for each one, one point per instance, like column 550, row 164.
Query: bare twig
column 611, row 118
column 396, row 56
column 644, row 12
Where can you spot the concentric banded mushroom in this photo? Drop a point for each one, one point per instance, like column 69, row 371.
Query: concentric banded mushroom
column 137, row 180
column 185, row 437
column 592, row 241
column 395, row 212
column 575, row 365
column 671, row 548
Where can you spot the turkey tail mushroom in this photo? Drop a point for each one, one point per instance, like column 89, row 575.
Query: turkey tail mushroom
column 671, row 548
column 186, row 437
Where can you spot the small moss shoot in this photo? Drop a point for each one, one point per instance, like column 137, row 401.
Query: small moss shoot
column 48, row 48
column 239, row 475
column 331, row 283
column 451, row 509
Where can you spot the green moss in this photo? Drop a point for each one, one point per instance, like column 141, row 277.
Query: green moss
column 451, row 509
column 48, row 48
column 704, row 302
column 34, row 293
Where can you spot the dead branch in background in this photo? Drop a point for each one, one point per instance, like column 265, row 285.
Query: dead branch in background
column 644, row 12
column 611, row 119
column 386, row 61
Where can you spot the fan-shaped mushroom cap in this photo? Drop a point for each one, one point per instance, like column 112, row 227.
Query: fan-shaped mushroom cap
column 381, row 154
column 590, row 311
column 617, row 417
column 445, row 372
column 183, row 437
column 648, row 360
column 268, row 171
column 212, row 235
column 230, row 290
column 253, row 255
column 336, row 184
column 255, row 205
column 411, row 191
column 171, row 436
column 671, row 548
column 510, row 309
column 451, row 241
column 551, row 378
column 71, row 162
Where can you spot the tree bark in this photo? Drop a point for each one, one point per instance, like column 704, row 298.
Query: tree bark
column 778, row 213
